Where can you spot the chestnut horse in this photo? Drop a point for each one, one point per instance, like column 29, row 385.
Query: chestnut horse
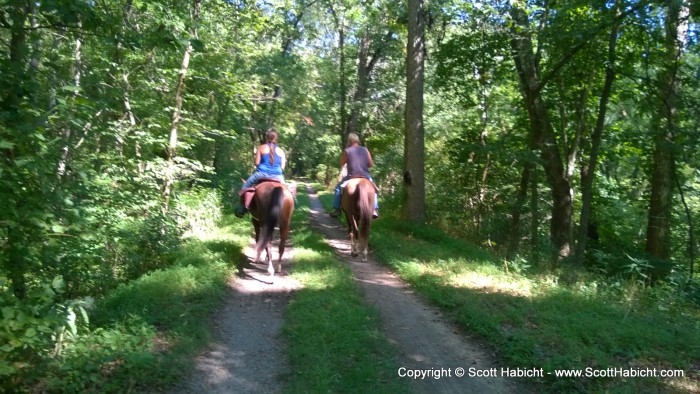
column 357, row 202
column 272, row 206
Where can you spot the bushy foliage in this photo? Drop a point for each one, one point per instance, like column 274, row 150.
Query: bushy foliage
column 36, row 329
column 48, row 334
column 199, row 211
column 96, row 361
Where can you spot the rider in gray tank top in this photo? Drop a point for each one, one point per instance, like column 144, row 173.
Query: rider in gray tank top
column 358, row 161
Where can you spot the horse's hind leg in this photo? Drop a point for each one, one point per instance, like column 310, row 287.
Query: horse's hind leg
column 270, row 268
column 363, row 245
column 284, row 232
column 353, row 244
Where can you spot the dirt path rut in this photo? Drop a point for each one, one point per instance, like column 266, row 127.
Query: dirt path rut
column 247, row 354
column 424, row 338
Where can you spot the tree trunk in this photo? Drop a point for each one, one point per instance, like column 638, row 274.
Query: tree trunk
column 484, row 169
column 13, row 82
column 343, row 87
column 659, row 225
column 365, row 66
column 514, row 238
column 414, row 144
column 286, row 52
column 14, row 90
column 534, row 219
column 588, row 171
column 172, row 140
column 67, row 132
column 35, row 61
column 689, row 219
column 527, row 65
column 340, row 26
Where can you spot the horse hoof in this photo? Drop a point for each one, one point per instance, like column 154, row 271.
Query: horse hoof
column 353, row 254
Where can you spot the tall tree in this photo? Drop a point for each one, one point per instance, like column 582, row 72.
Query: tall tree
column 342, row 94
column 588, row 170
column 177, row 112
column 414, row 143
column 527, row 63
column 14, row 146
column 366, row 62
column 669, row 90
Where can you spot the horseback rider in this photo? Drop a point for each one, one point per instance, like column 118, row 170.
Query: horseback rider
column 358, row 160
column 270, row 161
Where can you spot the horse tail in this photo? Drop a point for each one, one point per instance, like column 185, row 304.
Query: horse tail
column 366, row 206
column 273, row 216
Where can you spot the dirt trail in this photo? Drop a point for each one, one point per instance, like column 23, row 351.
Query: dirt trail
column 425, row 339
column 247, row 354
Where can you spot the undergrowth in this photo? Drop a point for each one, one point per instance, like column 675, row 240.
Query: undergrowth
column 143, row 334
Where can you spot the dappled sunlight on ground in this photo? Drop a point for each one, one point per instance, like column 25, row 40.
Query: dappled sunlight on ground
column 491, row 284
column 472, row 279
column 383, row 279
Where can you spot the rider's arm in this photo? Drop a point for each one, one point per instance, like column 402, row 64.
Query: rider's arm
column 283, row 158
column 257, row 157
column 371, row 162
column 343, row 159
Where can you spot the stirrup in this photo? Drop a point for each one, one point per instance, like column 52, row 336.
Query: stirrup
column 240, row 211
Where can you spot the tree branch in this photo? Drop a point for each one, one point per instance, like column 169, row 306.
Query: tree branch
column 378, row 52
column 586, row 40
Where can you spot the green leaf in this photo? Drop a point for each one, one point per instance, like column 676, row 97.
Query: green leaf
column 22, row 162
column 8, row 312
column 71, row 88
column 83, row 312
column 71, row 323
column 58, row 283
column 198, row 45
column 31, row 332
column 6, row 144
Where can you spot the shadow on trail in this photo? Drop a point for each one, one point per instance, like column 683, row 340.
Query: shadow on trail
column 247, row 354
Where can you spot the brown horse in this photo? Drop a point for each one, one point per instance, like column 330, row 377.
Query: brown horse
column 358, row 204
column 272, row 206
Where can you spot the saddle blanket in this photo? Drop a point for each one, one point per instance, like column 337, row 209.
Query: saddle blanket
column 248, row 193
column 342, row 185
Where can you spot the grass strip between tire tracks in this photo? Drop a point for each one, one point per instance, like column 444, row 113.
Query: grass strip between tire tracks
column 334, row 340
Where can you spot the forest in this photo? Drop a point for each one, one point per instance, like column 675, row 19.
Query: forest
column 561, row 137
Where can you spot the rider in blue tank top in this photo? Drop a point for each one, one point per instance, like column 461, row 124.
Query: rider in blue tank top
column 268, row 165
column 270, row 161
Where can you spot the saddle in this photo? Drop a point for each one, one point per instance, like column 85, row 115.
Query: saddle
column 342, row 185
column 248, row 193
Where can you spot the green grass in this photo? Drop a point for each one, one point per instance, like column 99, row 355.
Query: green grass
column 533, row 321
column 146, row 332
column 335, row 342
